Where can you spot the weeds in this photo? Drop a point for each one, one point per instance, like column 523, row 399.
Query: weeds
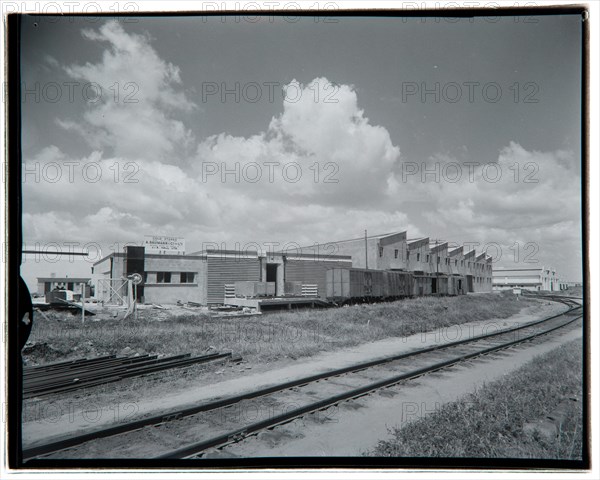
column 261, row 338
column 489, row 423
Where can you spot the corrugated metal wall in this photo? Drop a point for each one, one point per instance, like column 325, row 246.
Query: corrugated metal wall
column 311, row 272
column 222, row 270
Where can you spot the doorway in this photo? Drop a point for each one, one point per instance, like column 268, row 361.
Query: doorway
column 272, row 272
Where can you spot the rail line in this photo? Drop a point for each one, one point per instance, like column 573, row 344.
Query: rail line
column 358, row 387
column 67, row 376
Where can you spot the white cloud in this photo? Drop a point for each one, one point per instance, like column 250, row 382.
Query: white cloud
column 525, row 198
column 321, row 148
column 133, row 95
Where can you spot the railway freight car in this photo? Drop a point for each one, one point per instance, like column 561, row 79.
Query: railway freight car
column 348, row 285
column 422, row 285
column 457, row 285
column 354, row 284
column 397, row 284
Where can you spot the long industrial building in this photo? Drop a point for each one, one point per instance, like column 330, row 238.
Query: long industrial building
column 394, row 251
column 204, row 277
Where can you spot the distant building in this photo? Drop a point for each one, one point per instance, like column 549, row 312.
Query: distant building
column 529, row 278
column 48, row 284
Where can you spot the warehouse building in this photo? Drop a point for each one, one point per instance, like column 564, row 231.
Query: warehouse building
column 535, row 279
column 167, row 278
column 422, row 256
column 209, row 276
column 202, row 277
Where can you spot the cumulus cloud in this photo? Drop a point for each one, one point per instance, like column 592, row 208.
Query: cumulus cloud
column 321, row 148
column 132, row 96
column 526, row 197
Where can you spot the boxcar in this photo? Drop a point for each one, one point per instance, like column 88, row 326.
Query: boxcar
column 397, row 284
column 421, row 285
column 439, row 285
column 456, row 285
column 354, row 284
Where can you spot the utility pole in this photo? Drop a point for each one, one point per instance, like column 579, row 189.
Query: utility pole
column 366, row 252
column 437, row 257
column 83, row 303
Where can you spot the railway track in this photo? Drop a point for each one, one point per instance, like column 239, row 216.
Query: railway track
column 73, row 375
column 224, row 421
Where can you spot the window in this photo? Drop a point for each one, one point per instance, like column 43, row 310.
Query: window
column 396, row 253
column 427, row 258
column 187, row 277
column 462, row 263
column 418, row 257
column 381, row 251
column 163, row 277
column 407, row 255
column 456, row 263
column 438, row 260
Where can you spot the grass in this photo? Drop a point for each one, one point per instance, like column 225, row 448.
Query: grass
column 269, row 337
column 489, row 423
column 60, row 336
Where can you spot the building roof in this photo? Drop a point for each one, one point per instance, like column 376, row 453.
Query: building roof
column 470, row 254
column 516, row 281
column 525, row 269
column 369, row 237
column 418, row 242
column 196, row 255
column 481, row 256
column 437, row 246
column 64, row 279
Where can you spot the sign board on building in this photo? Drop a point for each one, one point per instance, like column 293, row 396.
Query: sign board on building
column 163, row 245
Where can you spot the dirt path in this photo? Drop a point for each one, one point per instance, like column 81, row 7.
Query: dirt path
column 355, row 427
column 70, row 421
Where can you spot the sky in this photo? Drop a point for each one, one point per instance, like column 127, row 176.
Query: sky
column 280, row 132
